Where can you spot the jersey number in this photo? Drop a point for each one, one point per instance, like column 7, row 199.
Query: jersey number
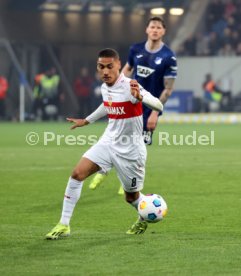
column 133, row 183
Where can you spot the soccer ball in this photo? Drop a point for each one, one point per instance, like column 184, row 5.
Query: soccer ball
column 152, row 208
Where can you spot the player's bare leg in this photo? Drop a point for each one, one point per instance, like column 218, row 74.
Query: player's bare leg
column 83, row 169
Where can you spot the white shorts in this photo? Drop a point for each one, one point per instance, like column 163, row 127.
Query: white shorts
column 130, row 172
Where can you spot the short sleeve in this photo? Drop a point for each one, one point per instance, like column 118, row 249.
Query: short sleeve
column 171, row 67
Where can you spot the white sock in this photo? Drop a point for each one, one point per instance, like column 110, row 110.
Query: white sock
column 136, row 202
column 71, row 197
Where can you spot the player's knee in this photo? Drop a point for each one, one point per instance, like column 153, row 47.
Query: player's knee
column 78, row 174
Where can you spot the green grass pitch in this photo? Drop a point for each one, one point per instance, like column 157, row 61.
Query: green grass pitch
column 201, row 234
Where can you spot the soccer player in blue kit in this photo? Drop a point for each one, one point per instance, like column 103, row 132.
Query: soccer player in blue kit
column 154, row 66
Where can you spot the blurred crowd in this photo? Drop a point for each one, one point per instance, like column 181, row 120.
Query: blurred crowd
column 87, row 91
column 3, row 95
column 217, row 94
column 222, row 32
column 49, row 96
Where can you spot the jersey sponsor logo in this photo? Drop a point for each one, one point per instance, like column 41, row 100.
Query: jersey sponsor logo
column 139, row 56
column 115, row 110
column 143, row 71
column 158, row 60
column 123, row 110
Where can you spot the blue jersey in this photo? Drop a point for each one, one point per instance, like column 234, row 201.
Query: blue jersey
column 150, row 70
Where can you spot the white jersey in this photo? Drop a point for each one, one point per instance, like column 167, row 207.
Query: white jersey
column 124, row 130
column 122, row 144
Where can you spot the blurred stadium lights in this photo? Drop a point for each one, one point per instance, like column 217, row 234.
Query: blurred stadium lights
column 96, row 8
column 176, row 11
column 115, row 6
column 158, row 11
column 139, row 11
column 119, row 9
column 83, row 6
column 74, row 8
column 49, row 7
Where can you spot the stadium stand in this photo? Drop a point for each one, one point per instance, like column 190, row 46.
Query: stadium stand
column 220, row 33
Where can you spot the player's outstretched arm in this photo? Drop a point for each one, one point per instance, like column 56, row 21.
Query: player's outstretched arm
column 100, row 112
column 77, row 122
column 96, row 115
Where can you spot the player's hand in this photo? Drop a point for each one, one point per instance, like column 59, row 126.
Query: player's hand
column 77, row 122
column 152, row 121
column 135, row 90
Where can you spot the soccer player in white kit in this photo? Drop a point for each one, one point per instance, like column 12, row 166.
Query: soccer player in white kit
column 121, row 145
column 154, row 66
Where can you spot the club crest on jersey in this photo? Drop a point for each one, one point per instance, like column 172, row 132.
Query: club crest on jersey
column 143, row 71
column 109, row 100
column 158, row 60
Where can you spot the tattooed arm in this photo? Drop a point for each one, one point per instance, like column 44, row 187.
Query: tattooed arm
column 166, row 93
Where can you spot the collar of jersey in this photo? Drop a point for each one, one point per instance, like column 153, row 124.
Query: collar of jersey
column 154, row 51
